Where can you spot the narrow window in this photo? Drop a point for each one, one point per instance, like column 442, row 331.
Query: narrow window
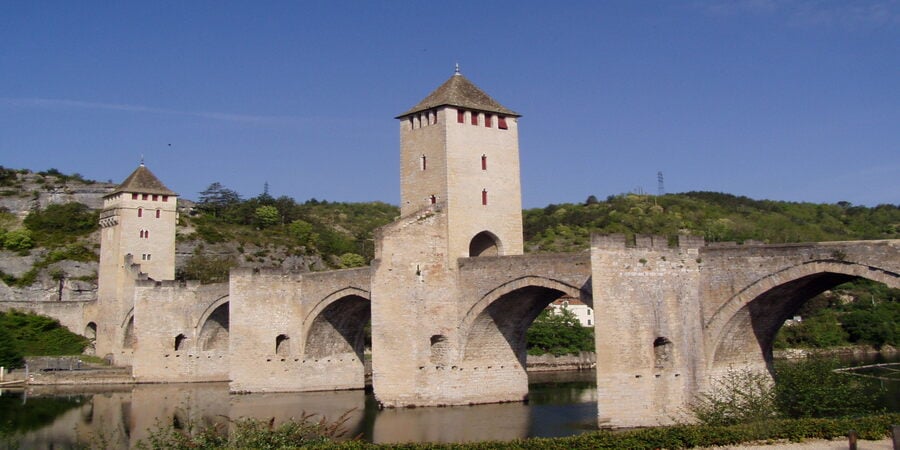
column 165, row 198
column 283, row 345
column 424, row 162
column 140, row 212
column 484, row 196
column 148, row 257
column 145, row 196
column 134, row 196
column 412, row 126
column 483, row 162
column 460, row 116
column 157, row 214
column 501, row 123
column 179, row 342
column 435, row 116
column 155, row 197
column 488, row 120
column 147, row 234
column 142, row 233
column 474, row 118
column 433, row 199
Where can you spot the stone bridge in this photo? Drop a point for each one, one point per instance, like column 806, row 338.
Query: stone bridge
column 670, row 320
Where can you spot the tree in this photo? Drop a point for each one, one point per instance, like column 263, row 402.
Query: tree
column 558, row 332
column 10, row 353
column 215, row 198
column 266, row 216
column 303, row 232
column 350, row 260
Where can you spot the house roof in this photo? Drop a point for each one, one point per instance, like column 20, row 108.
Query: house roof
column 143, row 181
column 459, row 91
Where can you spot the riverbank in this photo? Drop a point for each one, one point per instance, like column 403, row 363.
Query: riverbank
column 856, row 351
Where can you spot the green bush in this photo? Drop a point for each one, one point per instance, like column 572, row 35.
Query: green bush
column 18, row 240
column 35, row 335
column 250, row 433
column 812, row 388
column 58, row 224
column 740, row 396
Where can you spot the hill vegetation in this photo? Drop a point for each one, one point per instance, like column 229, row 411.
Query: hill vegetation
column 29, row 334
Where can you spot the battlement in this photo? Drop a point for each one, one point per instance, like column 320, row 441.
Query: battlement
column 619, row 241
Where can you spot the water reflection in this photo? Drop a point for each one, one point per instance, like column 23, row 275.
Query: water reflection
column 120, row 417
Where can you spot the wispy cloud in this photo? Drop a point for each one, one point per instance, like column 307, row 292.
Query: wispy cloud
column 48, row 103
column 849, row 14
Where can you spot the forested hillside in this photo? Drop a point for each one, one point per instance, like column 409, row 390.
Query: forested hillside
column 717, row 217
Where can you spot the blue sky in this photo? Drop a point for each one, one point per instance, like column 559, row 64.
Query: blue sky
column 793, row 100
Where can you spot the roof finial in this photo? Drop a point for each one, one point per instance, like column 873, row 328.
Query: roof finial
column 142, row 160
column 457, row 69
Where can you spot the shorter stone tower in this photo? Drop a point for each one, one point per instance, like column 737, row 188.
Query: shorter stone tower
column 137, row 241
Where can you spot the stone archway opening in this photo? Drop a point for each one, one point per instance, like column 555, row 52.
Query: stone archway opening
column 484, row 244
column 129, row 340
column 496, row 339
column 748, row 338
column 340, row 329
column 283, row 345
column 214, row 334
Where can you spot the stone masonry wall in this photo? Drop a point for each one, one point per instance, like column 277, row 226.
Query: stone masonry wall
column 647, row 327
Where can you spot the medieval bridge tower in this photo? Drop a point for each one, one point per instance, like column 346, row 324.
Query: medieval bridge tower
column 460, row 198
column 137, row 241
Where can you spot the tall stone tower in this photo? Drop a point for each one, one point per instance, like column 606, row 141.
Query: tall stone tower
column 459, row 175
column 137, row 240
column 459, row 147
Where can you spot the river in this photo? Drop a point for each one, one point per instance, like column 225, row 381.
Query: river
column 560, row 404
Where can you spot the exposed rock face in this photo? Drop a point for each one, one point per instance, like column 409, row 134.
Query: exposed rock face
column 33, row 191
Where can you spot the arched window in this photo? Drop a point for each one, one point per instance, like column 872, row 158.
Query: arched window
column 283, row 345
column 440, row 349
column 484, row 196
column 662, row 352
column 180, row 342
column 157, row 214
column 483, row 162
column 140, row 212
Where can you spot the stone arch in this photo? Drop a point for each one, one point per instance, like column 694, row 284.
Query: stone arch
column 180, row 342
column 485, row 244
column 494, row 327
column 283, row 345
column 129, row 338
column 214, row 326
column 90, row 331
column 337, row 324
column 744, row 327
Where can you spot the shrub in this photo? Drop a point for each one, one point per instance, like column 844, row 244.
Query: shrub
column 18, row 240
column 812, row 388
column 739, row 396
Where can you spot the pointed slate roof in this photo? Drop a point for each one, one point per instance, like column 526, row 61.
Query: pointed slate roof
column 459, row 91
column 143, row 181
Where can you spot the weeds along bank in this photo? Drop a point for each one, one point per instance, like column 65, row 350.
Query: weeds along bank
column 311, row 434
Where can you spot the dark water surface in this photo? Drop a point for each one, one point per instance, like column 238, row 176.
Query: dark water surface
column 561, row 404
column 59, row 417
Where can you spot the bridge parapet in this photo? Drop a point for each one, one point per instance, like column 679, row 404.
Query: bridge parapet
column 619, row 241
